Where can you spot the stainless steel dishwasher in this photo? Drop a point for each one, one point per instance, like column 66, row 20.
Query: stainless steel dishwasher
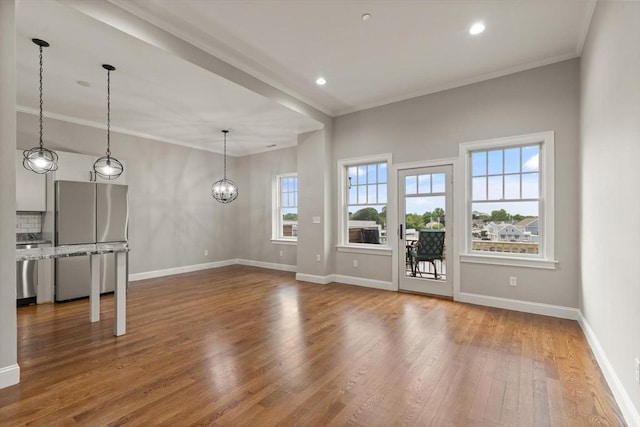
column 26, row 277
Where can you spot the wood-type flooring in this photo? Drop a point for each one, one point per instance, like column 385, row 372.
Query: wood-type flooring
column 244, row 346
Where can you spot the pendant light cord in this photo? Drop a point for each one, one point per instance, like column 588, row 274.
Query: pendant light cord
column 225, row 153
column 108, row 113
column 41, row 70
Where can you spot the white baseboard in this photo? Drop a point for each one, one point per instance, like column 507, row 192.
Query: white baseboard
column 179, row 270
column 630, row 413
column 367, row 283
column 9, row 375
column 269, row 265
column 517, row 305
column 312, row 278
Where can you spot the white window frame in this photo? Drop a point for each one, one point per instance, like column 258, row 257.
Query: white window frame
column 276, row 215
column 343, row 205
column 546, row 256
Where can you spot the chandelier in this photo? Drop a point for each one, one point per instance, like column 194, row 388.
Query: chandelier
column 224, row 190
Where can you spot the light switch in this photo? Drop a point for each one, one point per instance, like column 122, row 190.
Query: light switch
column 316, row 220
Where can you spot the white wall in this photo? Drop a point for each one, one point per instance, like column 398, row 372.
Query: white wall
column 173, row 218
column 254, row 221
column 9, row 370
column 431, row 127
column 610, row 151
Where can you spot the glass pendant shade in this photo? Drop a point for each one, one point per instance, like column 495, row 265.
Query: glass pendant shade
column 224, row 190
column 40, row 159
column 107, row 167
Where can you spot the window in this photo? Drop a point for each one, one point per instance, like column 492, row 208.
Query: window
column 285, row 224
column 363, row 216
column 510, row 197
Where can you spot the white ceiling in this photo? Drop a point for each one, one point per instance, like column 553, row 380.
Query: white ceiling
column 153, row 93
column 407, row 48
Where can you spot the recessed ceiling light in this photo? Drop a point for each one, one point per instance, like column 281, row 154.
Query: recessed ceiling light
column 321, row 81
column 366, row 16
column 83, row 83
column 476, row 28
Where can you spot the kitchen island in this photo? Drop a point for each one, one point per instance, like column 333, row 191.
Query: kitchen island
column 93, row 251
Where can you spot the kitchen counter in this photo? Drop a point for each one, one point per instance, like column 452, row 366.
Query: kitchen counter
column 93, row 251
column 70, row 250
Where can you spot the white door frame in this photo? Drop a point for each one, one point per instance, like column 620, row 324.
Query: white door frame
column 395, row 169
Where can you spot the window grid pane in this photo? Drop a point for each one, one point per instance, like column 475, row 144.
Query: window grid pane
column 288, row 208
column 505, row 200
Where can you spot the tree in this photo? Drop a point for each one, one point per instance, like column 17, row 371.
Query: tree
column 414, row 221
column 438, row 215
column 480, row 215
column 518, row 217
column 290, row 217
column 366, row 214
column 426, row 217
column 500, row 215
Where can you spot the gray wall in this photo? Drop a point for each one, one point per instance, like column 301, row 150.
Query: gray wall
column 8, row 332
column 173, row 218
column 431, row 127
column 610, row 151
column 254, row 221
column 315, row 198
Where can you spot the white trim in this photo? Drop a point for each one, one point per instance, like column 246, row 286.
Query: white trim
column 631, row 415
column 518, row 305
column 284, row 242
column 9, row 375
column 546, row 215
column 312, row 278
column 179, row 270
column 448, row 161
column 366, row 249
column 343, row 237
column 367, row 283
column 269, row 265
column 508, row 261
column 276, row 224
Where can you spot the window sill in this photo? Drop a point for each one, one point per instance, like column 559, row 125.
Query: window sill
column 508, row 261
column 365, row 249
column 289, row 242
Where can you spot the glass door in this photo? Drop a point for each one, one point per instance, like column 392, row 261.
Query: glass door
column 426, row 221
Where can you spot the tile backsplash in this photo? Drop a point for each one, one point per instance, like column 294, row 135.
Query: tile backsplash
column 28, row 222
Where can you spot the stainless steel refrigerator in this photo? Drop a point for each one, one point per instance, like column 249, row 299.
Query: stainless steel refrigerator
column 87, row 213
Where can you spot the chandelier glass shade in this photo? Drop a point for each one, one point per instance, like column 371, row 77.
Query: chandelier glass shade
column 107, row 167
column 40, row 159
column 224, row 190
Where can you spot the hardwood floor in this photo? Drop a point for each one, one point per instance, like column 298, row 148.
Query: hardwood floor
column 247, row 346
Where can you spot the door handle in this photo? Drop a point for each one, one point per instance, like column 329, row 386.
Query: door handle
column 401, row 237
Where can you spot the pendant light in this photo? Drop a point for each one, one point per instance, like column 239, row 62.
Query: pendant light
column 225, row 190
column 39, row 159
column 108, row 167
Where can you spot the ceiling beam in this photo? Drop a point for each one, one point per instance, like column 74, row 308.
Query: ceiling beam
column 118, row 18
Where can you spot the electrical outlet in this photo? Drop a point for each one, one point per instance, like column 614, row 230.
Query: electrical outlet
column 638, row 370
column 513, row 281
column 206, row 252
column 355, row 263
column 281, row 252
column 318, row 257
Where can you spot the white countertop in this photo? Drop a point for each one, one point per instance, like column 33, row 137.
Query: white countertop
column 70, row 250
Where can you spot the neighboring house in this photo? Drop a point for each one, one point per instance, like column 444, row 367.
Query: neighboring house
column 505, row 232
column 529, row 225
